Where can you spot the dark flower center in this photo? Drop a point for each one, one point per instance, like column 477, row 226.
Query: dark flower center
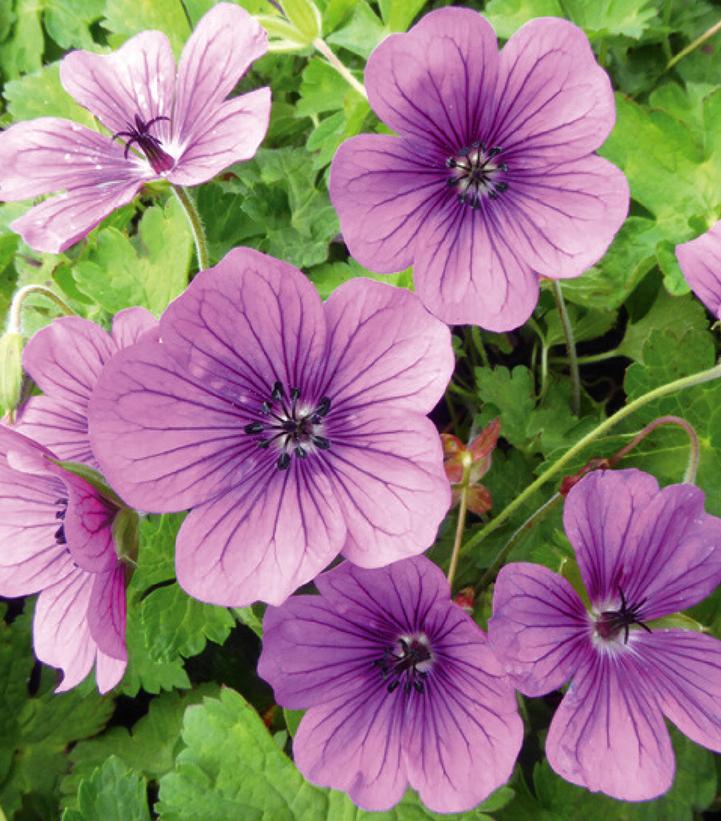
column 610, row 623
column 406, row 663
column 139, row 133
column 62, row 505
column 477, row 173
column 294, row 426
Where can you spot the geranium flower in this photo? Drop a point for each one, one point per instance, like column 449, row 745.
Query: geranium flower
column 179, row 128
column 476, row 458
column 492, row 182
column 700, row 261
column 65, row 359
column 295, row 430
column 401, row 685
column 643, row 553
column 56, row 537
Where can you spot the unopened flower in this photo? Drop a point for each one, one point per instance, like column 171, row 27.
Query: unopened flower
column 700, row 261
column 491, row 182
column 294, row 430
column 400, row 686
column 475, row 460
column 65, row 359
column 643, row 553
column 56, row 539
column 180, row 128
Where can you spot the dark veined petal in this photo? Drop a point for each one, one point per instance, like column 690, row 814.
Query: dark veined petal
column 62, row 429
column 700, row 261
column 540, row 629
column 106, row 622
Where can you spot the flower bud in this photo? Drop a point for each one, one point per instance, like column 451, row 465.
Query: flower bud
column 11, row 370
column 295, row 29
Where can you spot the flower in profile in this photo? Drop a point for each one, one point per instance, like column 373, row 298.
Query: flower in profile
column 57, row 540
column 180, row 128
column 644, row 553
column 293, row 429
column 400, row 686
column 474, row 458
column 65, row 359
column 700, row 261
column 491, row 182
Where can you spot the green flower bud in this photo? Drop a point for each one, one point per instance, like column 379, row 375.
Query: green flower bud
column 11, row 370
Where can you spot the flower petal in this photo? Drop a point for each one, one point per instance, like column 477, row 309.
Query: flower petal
column 608, row 734
column 563, row 218
column 106, row 618
column 383, row 194
column 137, row 79
column 684, row 670
column 465, row 735
column 555, row 102
column 539, row 628
column 224, row 44
column 88, row 524
column 58, row 427
column 700, row 262
column 262, row 539
column 467, row 271
column 232, row 133
column 51, row 154
column 432, row 82
column 383, row 346
column 386, row 467
column 131, row 324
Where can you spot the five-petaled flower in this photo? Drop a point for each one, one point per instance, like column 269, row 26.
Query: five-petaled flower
column 700, row 261
column 180, row 128
column 65, row 360
column 56, row 537
column 644, row 553
column 294, row 430
column 491, row 182
column 401, row 685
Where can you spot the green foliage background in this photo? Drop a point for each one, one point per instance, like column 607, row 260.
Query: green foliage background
column 191, row 732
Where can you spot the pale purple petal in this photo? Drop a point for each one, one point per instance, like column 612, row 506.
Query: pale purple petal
column 430, row 83
column 684, row 670
column 608, row 734
column 131, row 324
column 220, row 50
column 137, row 79
column 382, row 193
column 62, row 429
column 230, row 134
column 562, row 218
column 269, row 534
column 383, row 346
column 465, row 737
column 386, row 467
column 539, row 629
column 106, row 614
column 700, row 261
column 108, row 671
column 49, row 154
column 467, row 271
column 555, row 103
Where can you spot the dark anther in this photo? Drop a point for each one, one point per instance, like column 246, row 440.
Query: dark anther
column 503, row 167
column 494, row 152
column 493, row 194
column 419, row 686
column 60, row 535
column 266, row 407
column 283, row 462
column 264, row 443
column 392, row 686
column 277, row 393
column 611, row 622
column 323, row 406
column 320, row 442
column 407, row 663
column 300, row 452
column 295, row 394
column 254, row 427
column 501, row 186
column 450, row 163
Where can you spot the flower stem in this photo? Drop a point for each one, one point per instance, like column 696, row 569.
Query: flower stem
column 699, row 41
column 590, row 359
column 663, row 390
column 14, row 316
column 323, row 47
column 462, row 511
column 570, row 346
column 196, row 226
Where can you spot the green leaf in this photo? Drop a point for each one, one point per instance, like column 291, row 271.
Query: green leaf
column 124, row 18
column 329, row 276
column 322, row 89
column 41, row 95
column 511, row 395
column 68, row 21
column 362, row 33
column 508, row 15
column 150, row 269
column 23, row 51
column 113, row 793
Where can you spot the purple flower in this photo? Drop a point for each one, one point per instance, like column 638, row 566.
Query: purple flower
column 402, row 687
column 56, row 537
column 643, row 553
column 700, row 261
column 65, row 359
column 492, row 181
column 295, row 430
column 178, row 127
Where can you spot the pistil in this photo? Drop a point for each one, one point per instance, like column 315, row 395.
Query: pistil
column 476, row 174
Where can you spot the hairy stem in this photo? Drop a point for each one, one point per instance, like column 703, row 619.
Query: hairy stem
column 343, row 70
column 663, row 390
column 699, row 41
column 461, row 524
column 570, row 346
column 196, row 226
column 14, row 316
